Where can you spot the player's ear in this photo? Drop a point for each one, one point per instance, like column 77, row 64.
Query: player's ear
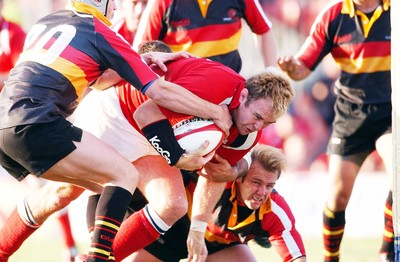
column 243, row 95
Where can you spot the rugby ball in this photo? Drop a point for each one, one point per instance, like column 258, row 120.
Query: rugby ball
column 192, row 133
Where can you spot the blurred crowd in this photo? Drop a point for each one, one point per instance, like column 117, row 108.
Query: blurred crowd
column 303, row 133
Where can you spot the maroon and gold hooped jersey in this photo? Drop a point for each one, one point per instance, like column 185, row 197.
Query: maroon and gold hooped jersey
column 209, row 29
column 63, row 53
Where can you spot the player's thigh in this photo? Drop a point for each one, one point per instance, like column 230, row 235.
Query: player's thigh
column 237, row 253
column 161, row 184
column 96, row 162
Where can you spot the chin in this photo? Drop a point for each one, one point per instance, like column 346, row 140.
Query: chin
column 253, row 206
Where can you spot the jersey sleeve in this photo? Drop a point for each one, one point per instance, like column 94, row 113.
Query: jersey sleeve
column 256, row 18
column 238, row 146
column 280, row 224
column 118, row 55
column 318, row 43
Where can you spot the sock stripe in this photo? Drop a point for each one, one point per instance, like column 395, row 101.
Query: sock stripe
column 152, row 221
column 109, row 219
column 25, row 214
column 106, row 224
column 112, row 232
column 331, row 232
column 99, row 250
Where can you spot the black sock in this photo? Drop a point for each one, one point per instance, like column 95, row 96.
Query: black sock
column 110, row 212
column 93, row 200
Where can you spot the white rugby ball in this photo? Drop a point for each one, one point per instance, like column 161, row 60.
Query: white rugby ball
column 192, row 133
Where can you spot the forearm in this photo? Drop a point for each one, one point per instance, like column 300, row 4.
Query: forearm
column 205, row 198
column 268, row 49
column 241, row 168
column 178, row 99
column 106, row 80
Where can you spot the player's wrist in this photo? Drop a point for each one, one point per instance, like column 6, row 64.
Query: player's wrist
column 161, row 136
column 199, row 226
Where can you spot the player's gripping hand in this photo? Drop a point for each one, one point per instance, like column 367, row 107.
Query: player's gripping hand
column 197, row 250
column 224, row 119
column 195, row 160
column 219, row 170
column 160, row 58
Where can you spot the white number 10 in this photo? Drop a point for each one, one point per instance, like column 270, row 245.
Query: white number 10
column 67, row 33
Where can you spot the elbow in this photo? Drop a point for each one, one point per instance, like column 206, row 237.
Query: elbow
column 158, row 92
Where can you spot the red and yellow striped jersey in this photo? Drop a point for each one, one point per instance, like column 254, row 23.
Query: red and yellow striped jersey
column 360, row 45
column 63, row 53
column 209, row 29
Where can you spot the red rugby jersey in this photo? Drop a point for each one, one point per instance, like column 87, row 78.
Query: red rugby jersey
column 209, row 80
column 12, row 38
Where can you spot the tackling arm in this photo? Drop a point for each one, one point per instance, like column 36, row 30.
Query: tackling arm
column 206, row 196
column 267, row 48
column 294, row 67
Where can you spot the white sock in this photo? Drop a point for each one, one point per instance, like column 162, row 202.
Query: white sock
column 25, row 214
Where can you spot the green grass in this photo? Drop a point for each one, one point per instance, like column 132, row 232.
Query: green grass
column 49, row 249
column 353, row 250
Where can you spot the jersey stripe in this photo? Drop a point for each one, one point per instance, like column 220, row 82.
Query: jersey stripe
column 210, row 48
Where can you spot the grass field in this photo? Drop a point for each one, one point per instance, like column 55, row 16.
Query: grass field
column 45, row 245
column 39, row 249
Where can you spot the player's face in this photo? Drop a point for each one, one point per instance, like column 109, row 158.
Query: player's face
column 253, row 116
column 111, row 9
column 256, row 187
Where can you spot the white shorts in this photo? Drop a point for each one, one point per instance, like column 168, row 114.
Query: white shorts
column 100, row 114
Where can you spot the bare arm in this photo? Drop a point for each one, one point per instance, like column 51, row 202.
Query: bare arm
column 179, row 99
column 267, row 47
column 108, row 79
column 294, row 67
column 221, row 171
column 205, row 197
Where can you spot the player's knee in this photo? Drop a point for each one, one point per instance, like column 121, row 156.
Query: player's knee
column 180, row 208
column 172, row 209
column 64, row 194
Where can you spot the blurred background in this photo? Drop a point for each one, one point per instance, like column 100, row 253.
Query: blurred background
column 302, row 134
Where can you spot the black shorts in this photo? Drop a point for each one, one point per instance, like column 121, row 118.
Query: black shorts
column 356, row 127
column 171, row 247
column 35, row 148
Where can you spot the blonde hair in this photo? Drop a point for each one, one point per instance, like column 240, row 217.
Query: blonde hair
column 272, row 159
column 154, row 46
column 274, row 85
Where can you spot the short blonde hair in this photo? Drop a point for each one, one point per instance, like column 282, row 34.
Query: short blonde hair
column 274, row 85
column 272, row 159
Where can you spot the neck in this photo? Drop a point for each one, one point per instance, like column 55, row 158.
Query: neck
column 366, row 6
